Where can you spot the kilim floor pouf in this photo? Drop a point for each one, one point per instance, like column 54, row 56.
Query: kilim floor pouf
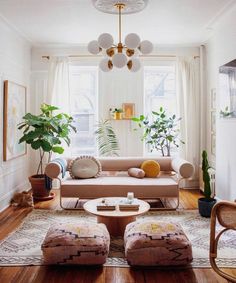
column 153, row 243
column 83, row 243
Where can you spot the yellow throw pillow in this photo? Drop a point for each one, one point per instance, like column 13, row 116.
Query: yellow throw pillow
column 151, row 168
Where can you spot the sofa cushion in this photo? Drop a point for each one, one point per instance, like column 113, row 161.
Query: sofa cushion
column 83, row 243
column 119, row 186
column 151, row 168
column 156, row 243
column 85, row 167
column 136, row 172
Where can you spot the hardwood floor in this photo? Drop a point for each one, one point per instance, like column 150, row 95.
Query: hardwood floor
column 12, row 217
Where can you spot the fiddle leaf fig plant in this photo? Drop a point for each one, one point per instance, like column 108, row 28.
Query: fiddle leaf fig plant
column 160, row 131
column 46, row 132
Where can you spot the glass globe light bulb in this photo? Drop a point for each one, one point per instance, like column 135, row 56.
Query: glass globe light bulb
column 93, row 47
column 119, row 60
column 105, row 40
column 135, row 65
column 146, row 47
column 105, row 65
column 132, row 40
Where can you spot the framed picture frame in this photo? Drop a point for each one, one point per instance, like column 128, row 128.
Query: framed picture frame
column 14, row 108
column 128, row 110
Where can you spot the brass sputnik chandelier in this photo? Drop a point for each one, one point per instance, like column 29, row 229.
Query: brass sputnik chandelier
column 121, row 54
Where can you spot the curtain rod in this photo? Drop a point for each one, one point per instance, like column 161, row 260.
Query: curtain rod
column 141, row 56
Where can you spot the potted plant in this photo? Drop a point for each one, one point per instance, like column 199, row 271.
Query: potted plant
column 108, row 144
column 206, row 203
column 160, row 131
column 118, row 113
column 45, row 132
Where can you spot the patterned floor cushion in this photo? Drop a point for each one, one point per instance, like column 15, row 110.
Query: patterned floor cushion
column 153, row 243
column 84, row 243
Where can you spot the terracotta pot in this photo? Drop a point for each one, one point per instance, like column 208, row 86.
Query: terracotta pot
column 117, row 116
column 38, row 186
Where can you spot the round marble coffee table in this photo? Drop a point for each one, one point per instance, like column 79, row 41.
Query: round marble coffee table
column 115, row 220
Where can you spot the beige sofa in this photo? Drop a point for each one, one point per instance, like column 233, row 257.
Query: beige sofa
column 115, row 181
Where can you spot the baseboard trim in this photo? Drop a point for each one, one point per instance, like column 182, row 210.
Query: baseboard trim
column 5, row 199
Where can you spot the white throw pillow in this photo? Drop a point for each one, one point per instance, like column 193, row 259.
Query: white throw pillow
column 84, row 167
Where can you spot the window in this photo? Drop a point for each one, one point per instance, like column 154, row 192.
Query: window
column 83, row 87
column 159, row 90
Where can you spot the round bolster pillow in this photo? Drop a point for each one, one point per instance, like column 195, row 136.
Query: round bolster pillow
column 53, row 170
column 183, row 167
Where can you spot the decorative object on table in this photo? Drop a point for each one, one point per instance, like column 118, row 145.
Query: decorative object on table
column 22, row 199
column 108, row 144
column 117, row 112
column 206, row 204
column 105, row 204
column 83, row 243
column 151, row 168
column 129, row 110
column 160, row 131
column 121, row 54
column 130, row 204
column 14, row 109
column 227, row 90
column 155, row 243
column 85, row 167
column 22, row 247
column 45, row 132
column 130, row 197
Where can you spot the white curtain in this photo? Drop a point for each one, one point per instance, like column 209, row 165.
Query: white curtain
column 188, row 97
column 58, row 93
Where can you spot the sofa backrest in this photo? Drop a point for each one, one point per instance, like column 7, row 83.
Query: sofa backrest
column 124, row 163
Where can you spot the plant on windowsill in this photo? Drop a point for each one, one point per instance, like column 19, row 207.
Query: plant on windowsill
column 117, row 113
column 160, row 131
column 206, row 204
column 226, row 113
column 45, row 133
column 108, row 144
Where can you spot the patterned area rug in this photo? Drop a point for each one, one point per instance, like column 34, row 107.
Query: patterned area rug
column 22, row 247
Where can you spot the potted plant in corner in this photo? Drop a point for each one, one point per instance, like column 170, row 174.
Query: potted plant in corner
column 206, row 203
column 45, row 132
column 160, row 131
column 118, row 113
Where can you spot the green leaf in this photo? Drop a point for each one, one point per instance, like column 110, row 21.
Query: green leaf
column 58, row 149
column 46, row 146
column 36, row 144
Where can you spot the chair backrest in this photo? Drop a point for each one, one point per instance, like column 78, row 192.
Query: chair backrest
column 225, row 213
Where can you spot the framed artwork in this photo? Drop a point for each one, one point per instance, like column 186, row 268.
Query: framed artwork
column 14, row 109
column 128, row 110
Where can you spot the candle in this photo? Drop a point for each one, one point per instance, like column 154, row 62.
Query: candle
column 130, row 197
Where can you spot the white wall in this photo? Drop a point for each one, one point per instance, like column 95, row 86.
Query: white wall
column 115, row 88
column 221, row 49
column 14, row 66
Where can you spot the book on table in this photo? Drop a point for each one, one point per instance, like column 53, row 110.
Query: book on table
column 124, row 205
column 106, row 205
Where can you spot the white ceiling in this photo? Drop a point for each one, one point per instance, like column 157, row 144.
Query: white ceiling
column 43, row 22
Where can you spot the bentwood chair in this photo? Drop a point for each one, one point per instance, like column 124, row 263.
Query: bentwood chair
column 225, row 213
